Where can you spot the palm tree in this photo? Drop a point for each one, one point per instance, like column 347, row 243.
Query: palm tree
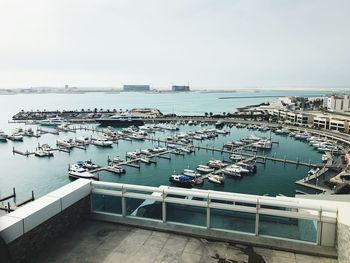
column 206, row 114
column 211, row 114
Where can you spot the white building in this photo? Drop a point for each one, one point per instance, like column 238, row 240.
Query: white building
column 337, row 103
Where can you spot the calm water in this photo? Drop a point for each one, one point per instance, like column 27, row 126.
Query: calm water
column 45, row 175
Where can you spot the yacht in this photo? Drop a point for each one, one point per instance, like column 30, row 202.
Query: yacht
column 216, row 164
column 191, row 173
column 65, row 142
column 145, row 160
column 263, row 144
column 251, row 167
column 236, row 157
column 132, row 155
column 232, row 171
column 120, row 120
column 43, row 153
column 15, row 137
column 324, row 158
column 83, row 140
column 216, row 179
column 76, row 171
column 3, row 136
column 204, row 169
column 116, row 169
column 55, row 121
column 90, row 165
column 181, row 180
column 101, row 141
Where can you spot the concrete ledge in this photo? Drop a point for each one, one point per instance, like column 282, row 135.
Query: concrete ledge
column 211, row 234
column 10, row 228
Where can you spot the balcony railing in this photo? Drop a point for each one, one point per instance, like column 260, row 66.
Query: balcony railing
column 284, row 218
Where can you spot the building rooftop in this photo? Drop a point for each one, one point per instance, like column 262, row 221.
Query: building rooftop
column 96, row 241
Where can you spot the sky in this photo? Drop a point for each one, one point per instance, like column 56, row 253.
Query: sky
column 216, row 44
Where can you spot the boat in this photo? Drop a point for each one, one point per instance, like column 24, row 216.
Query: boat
column 181, row 180
column 191, row 173
column 63, row 127
column 76, row 171
column 313, row 171
column 236, row 157
column 219, row 124
column 145, row 160
column 83, row 140
column 132, row 155
column 116, row 169
column 204, row 169
column 43, row 153
column 117, row 159
column 145, row 151
column 324, row 158
column 90, row 165
column 216, row 179
column 282, row 131
column 15, row 137
column 302, row 136
column 216, row 164
column 263, row 144
column 3, row 136
column 65, row 142
column 121, row 120
column 101, row 141
column 232, row 171
column 251, row 167
column 55, row 121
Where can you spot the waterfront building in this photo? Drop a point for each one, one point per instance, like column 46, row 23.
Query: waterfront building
column 136, row 88
column 337, row 103
column 180, row 88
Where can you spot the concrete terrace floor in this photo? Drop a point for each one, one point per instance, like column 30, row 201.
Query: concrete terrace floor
column 94, row 241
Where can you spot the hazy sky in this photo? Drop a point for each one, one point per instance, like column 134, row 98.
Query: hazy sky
column 208, row 43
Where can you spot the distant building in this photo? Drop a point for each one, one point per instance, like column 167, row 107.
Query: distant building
column 180, row 88
column 136, row 88
column 337, row 103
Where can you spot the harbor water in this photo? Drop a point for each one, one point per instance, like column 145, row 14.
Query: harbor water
column 46, row 174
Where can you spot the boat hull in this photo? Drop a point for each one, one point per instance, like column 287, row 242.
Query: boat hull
column 120, row 123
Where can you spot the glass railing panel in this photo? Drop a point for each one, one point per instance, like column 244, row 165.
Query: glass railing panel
column 289, row 228
column 106, row 203
column 143, row 208
column 232, row 220
column 186, row 214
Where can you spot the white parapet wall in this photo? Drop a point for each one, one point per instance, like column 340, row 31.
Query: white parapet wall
column 343, row 232
column 24, row 219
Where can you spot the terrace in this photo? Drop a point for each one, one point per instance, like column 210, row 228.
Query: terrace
column 171, row 224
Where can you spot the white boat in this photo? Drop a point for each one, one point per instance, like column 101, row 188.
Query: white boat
column 236, row 157
column 43, row 153
column 117, row 159
column 63, row 127
column 302, row 136
column 216, row 179
column 65, row 142
column 191, row 173
column 116, row 169
column 90, row 165
column 101, row 141
column 313, row 171
column 3, row 136
column 216, row 164
column 15, row 137
column 324, row 158
column 132, row 155
column 76, row 171
column 239, row 168
column 52, row 121
column 263, row 144
column 231, row 171
column 83, row 139
column 204, row 169
column 145, row 151
column 145, row 160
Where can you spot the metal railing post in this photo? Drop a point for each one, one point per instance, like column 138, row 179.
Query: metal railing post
column 123, row 202
column 208, row 212
column 257, row 218
column 319, row 228
column 163, row 208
